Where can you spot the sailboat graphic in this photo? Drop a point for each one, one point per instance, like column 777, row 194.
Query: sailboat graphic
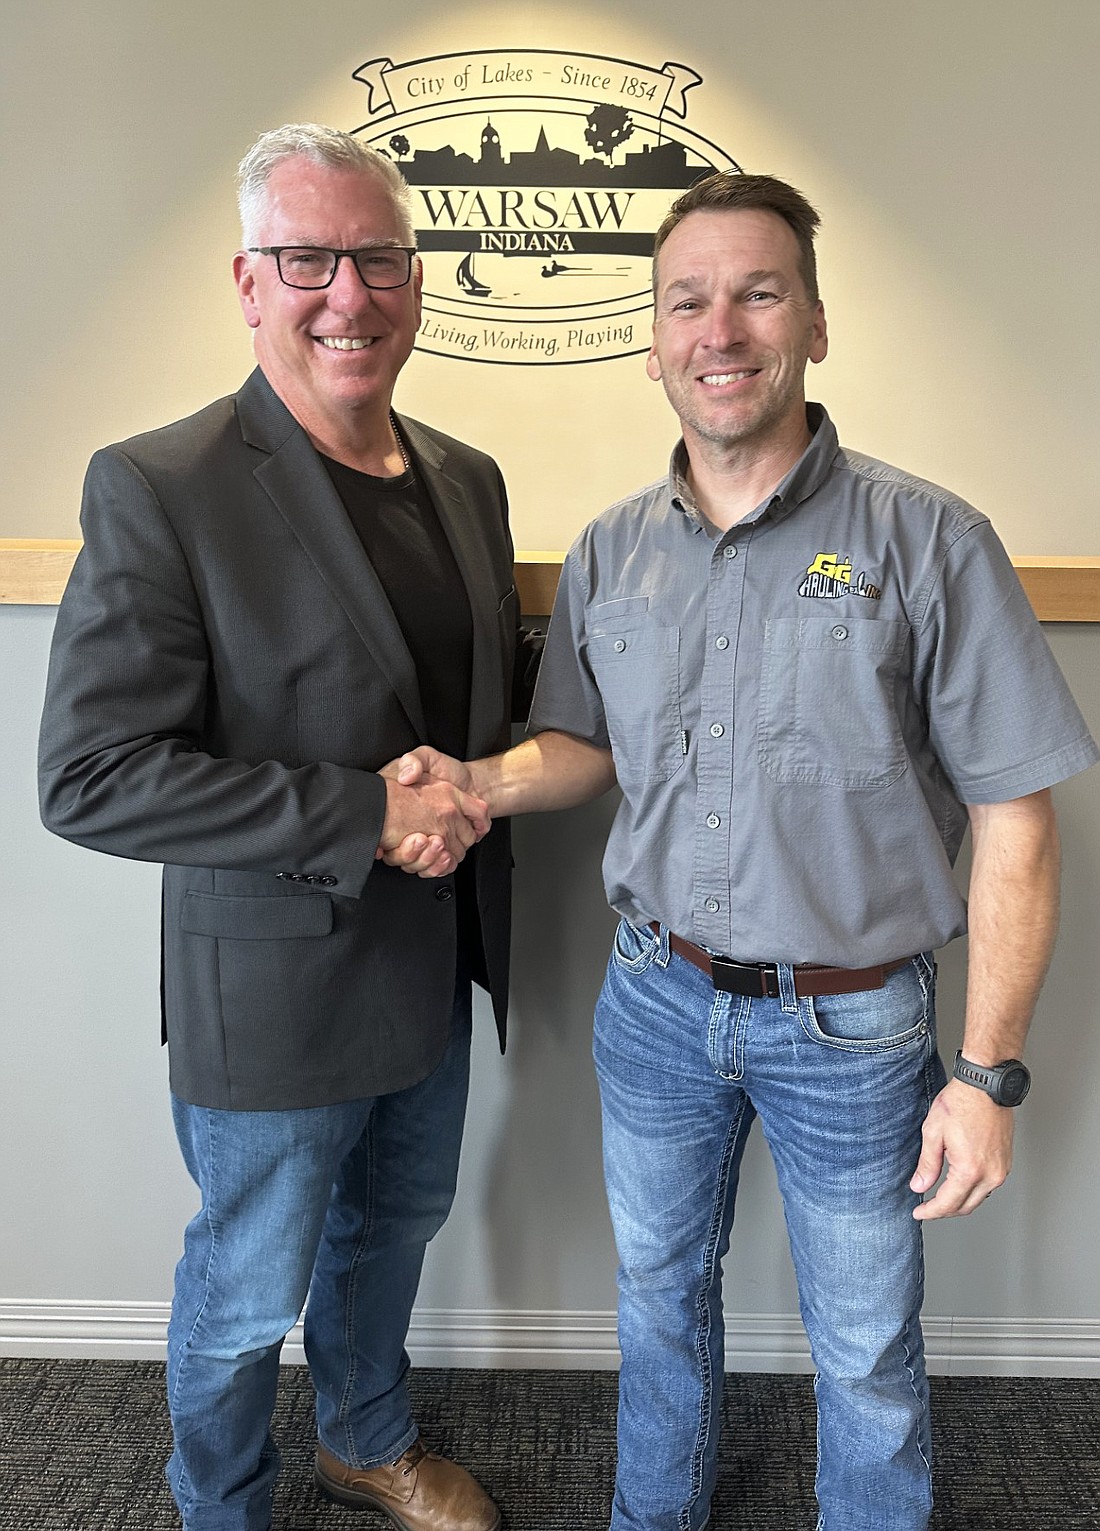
column 466, row 279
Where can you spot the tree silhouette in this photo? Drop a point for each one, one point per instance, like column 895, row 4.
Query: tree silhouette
column 400, row 144
column 608, row 127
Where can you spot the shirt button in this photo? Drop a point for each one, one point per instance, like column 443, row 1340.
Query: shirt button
column 712, row 906
column 840, row 632
column 729, row 551
column 713, row 821
column 716, row 730
column 620, row 645
column 444, row 894
column 722, row 642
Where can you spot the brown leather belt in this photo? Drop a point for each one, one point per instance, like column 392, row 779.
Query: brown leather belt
column 760, row 980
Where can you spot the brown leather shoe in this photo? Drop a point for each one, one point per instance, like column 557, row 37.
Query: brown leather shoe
column 421, row 1491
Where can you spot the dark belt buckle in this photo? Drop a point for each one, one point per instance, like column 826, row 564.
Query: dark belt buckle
column 754, row 981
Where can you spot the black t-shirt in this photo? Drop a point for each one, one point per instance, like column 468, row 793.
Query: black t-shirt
column 401, row 534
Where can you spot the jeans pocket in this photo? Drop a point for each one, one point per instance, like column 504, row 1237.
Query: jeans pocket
column 634, row 947
column 901, row 1013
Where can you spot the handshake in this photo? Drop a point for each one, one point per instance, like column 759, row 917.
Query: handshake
column 433, row 813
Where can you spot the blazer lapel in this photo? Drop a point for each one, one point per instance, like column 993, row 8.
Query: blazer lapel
column 295, row 479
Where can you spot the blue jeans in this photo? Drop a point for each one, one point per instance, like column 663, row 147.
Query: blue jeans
column 841, row 1086
column 337, row 1201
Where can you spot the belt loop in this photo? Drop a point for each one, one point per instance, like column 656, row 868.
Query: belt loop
column 663, row 952
column 788, row 997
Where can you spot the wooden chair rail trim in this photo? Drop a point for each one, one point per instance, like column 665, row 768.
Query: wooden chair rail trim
column 33, row 572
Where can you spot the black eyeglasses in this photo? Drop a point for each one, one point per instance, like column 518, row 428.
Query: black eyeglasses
column 312, row 267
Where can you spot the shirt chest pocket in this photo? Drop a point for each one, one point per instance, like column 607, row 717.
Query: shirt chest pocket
column 637, row 669
column 829, row 711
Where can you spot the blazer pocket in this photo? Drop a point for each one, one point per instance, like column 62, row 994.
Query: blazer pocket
column 256, row 919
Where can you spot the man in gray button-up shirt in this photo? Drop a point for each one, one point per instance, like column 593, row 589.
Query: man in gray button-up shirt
column 809, row 673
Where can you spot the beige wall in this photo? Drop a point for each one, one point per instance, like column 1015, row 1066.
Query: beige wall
column 963, row 342
column 945, row 142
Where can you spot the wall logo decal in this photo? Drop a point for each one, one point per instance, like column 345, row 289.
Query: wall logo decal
column 539, row 178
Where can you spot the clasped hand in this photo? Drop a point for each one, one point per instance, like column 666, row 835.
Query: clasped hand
column 433, row 815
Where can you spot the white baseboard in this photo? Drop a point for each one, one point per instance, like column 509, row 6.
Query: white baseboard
column 570, row 1341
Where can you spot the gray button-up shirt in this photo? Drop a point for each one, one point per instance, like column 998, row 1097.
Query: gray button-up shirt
column 800, row 707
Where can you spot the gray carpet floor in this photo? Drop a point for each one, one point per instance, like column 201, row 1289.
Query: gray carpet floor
column 83, row 1445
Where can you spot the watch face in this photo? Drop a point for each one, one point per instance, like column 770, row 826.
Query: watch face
column 1014, row 1085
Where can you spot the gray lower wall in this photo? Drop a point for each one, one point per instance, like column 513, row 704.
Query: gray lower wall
column 94, row 1197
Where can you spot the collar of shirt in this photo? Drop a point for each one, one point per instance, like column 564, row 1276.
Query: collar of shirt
column 805, row 477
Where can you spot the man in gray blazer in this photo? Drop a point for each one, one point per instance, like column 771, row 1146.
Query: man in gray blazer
column 275, row 598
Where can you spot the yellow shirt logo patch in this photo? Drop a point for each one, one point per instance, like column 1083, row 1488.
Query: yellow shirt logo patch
column 830, row 576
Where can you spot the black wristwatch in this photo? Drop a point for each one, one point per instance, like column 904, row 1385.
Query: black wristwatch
column 1007, row 1083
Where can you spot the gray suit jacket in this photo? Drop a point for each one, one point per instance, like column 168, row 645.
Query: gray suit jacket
column 227, row 676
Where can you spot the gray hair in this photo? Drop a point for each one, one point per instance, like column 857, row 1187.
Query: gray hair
column 324, row 146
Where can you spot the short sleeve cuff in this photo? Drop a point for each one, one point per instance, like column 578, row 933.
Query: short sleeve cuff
column 1032, row 775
